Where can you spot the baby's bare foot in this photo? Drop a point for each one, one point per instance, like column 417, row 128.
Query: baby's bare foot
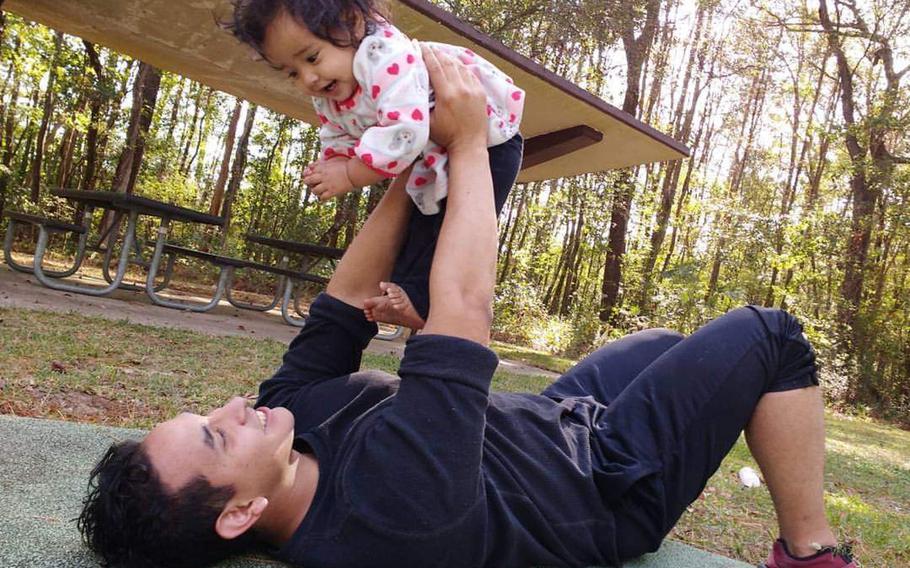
column 402, row 304
column 377, row 308
column 393, row 306
column 373, row 306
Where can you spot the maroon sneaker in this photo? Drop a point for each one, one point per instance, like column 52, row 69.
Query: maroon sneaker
column 828, row 557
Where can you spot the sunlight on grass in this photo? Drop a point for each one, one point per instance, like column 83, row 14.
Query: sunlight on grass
column 850, row 435
column 532, row 357
column 875, row 528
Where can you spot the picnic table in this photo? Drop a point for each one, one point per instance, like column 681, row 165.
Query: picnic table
column 131, row 206
column 305, row 249
column 316, row 253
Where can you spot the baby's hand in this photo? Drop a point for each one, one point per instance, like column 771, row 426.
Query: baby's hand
column 328, row 178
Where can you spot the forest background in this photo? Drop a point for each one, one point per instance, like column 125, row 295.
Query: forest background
column 796, row 194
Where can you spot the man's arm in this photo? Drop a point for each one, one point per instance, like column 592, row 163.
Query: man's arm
column 464, row 265
column 425, row 449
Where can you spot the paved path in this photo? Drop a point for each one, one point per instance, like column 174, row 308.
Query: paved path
column 43, row 472
column 18, row 290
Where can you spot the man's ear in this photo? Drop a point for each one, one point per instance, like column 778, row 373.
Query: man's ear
column 238, row 517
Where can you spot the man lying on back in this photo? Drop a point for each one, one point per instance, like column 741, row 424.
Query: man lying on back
column 338, row 467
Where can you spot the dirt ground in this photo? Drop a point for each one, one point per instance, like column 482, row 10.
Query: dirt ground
column 19, row 290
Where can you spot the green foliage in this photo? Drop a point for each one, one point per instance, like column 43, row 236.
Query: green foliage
column 517, row 308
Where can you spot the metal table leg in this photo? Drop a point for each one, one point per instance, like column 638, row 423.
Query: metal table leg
column 133, row 247
column 8, row 249
column 78, row 289
column 111, row 237
column 77, row 261
column 225, row 277
column 279, row 286
column 391, row 335
column 285, row 302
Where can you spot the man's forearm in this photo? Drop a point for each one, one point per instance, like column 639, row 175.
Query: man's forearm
column 464, row 265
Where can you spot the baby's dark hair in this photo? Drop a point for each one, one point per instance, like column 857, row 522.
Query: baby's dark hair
column 335, row 21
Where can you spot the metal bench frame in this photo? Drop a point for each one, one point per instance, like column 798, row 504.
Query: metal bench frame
column 227, row 266
column 46, row 225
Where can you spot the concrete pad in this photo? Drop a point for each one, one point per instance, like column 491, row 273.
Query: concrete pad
column 44, row 467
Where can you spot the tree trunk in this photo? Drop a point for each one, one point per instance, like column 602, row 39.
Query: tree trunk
column 8, row 145
column 175, row 110
column 237, row 173
column 571, row 284
column 115, row 102
column 145, row 93
column 189, row 134
column 201, row 134
column 263, row 187
column 684, row 119
column 218, row 193
column 752, row 115
column 863, row 196
column 97, row 97
column 636, row 50
column 522, row 197
column 353, row 207
column 47, row 110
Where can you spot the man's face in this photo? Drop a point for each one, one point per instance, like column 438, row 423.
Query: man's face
column 317, row 67
column 234, row 445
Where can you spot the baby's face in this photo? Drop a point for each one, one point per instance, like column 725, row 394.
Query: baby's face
column 317, row 67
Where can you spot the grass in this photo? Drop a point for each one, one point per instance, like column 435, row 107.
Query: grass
column 528, row 356
column 867, row 492
column 74, row 367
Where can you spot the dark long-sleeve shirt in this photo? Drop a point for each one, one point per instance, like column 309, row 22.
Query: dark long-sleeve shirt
column 429, row 468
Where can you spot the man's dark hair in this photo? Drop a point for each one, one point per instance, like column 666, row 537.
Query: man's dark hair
column 334, row 21
column 129, row 519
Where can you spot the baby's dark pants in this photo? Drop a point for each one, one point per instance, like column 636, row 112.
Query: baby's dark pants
column 412, row 267
column 675, row 406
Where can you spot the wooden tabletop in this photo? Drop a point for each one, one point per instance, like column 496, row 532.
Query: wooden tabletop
column 295, row 247
column 143, row 205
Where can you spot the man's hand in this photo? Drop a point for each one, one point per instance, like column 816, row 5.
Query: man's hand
column 459, row 117
column 328, row 178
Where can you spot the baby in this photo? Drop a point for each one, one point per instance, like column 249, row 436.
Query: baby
column 371, row 92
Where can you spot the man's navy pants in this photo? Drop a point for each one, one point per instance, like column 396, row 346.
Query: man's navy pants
column 675, row 406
